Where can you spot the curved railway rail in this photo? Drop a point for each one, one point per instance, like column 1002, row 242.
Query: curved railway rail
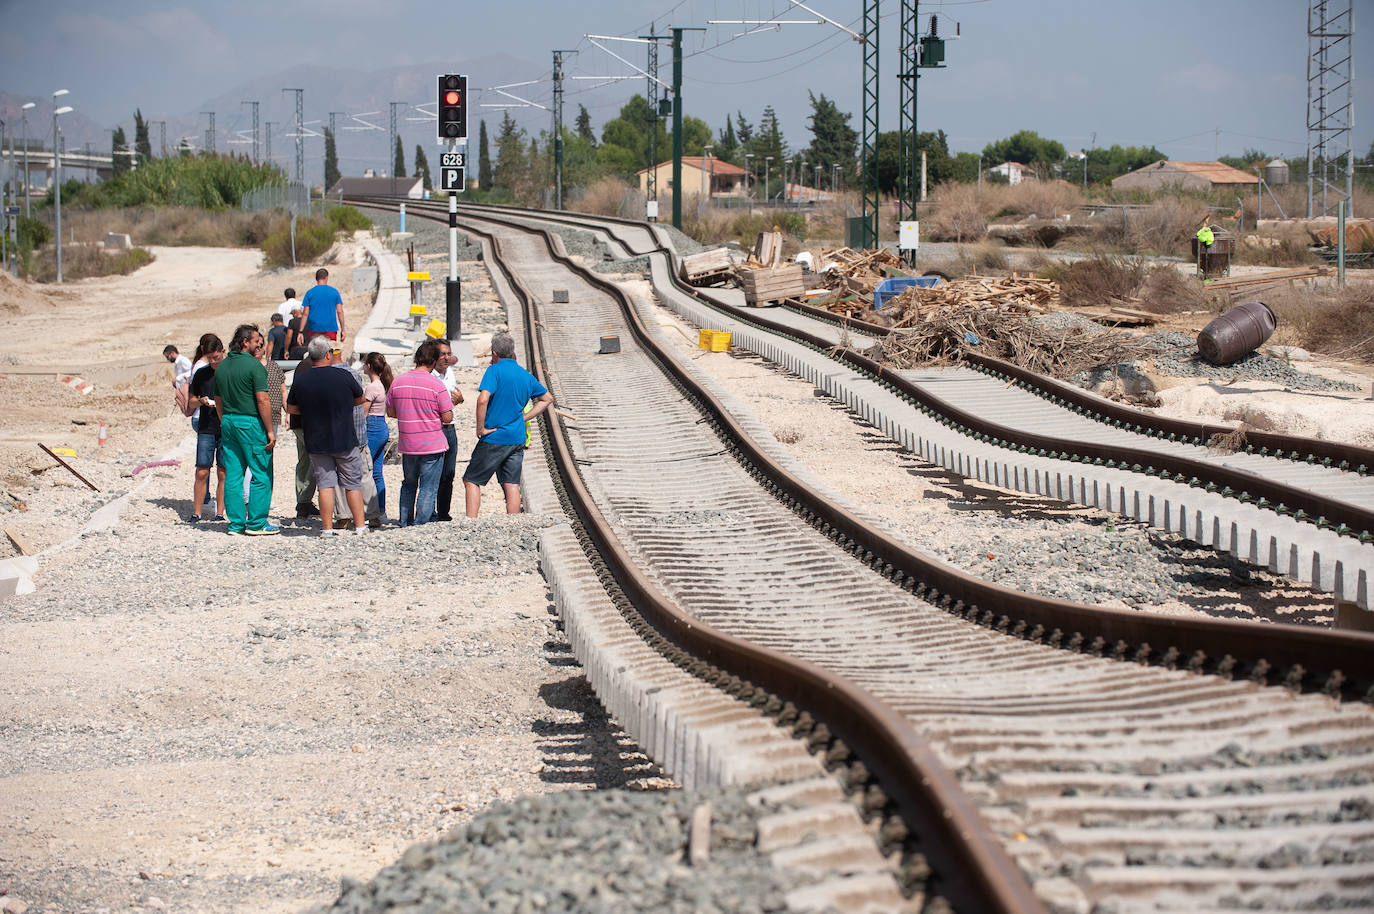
column 1057, row 716
column 1299, row 506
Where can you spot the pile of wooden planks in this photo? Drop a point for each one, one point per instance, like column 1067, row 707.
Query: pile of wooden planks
column 768, row 284
column 849, row 271
column 1247, row 285
column 767, row 250
column 708, row 268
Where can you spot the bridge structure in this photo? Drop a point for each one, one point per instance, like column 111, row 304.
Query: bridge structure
column 91, row 166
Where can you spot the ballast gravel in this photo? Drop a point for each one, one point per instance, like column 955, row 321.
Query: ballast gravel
column 1175, row 355
column 617, row 851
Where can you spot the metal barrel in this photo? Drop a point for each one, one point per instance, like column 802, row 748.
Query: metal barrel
column 1236, row 332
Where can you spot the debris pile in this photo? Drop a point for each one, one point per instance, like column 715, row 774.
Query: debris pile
column 943, row 336
column 1023, row 294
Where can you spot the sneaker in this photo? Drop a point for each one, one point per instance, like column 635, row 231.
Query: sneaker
column 269, row 530
column 375, row 523
column 307, row 511
column 193, row 519
column 361, row 531
column 332, row 531
column 237, row 533
column 220, row 517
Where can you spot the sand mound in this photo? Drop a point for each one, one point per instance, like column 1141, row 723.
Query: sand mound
column 19, row 297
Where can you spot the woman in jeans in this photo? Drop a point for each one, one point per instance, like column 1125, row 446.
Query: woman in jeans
column 380, row 376
column 208, row 455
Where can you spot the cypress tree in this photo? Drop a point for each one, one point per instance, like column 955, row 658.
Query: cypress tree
column 331, row 160
column 399, row 170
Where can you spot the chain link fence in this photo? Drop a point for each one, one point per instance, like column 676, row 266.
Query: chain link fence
column 292, row 197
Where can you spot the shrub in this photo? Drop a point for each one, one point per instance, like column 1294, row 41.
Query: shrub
column 348, row 219
column 33, row 233
column 83, row 261
column 204, row 181
column 313, row 238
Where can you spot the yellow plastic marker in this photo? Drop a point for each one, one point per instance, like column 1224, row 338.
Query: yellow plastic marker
column 417, row 277
column 418, row 309
column 64, row 451
column 436, row 329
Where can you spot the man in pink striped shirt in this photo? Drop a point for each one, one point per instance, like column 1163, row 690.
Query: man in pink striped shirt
column 420, row 404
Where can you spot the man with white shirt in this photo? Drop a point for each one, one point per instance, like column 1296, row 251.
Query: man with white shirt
column 443, row 370
column 181, row 366
column 286, row 307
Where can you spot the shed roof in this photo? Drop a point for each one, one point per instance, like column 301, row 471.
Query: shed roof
column 1215, row 172
column 364, row 187
column 708, row 164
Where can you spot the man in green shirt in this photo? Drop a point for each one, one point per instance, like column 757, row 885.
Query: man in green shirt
column 246, row 432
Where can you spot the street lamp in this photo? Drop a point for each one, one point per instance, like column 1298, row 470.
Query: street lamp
column 24, row 117
column 57, row 177
column 767, row 177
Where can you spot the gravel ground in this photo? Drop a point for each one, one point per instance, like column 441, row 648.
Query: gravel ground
column 593, row 852
column 429, row 235
column 197, row 722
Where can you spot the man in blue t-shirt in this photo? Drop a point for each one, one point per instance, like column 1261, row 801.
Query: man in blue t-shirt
column 323, row 309
column 501, row 418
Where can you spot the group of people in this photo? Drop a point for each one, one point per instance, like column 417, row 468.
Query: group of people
column 339, row 421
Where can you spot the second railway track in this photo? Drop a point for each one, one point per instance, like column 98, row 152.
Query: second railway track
column 1188, row 779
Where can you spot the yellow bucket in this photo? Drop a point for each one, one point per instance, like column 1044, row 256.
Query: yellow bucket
column 714, row 340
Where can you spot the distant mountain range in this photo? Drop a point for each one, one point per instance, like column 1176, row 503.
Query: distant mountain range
column 360, row 101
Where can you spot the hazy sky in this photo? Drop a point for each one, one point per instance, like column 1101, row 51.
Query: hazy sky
column 1194, row 79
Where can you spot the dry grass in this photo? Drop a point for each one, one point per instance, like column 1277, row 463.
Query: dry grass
column 170, row 226
column 1285, row 250
column 605, row 197
column 83, row 261
column 1104, row 279
column 962, row 212
column 1338, row 323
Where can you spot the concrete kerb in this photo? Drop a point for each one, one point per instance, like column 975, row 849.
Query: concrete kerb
column 388, row 328
column 1321, row 558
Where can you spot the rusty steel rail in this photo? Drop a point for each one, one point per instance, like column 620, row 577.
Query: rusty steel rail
column 1339, row 663
column 1335, row 662
column 974, row 870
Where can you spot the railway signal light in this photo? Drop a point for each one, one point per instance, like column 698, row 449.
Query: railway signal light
column 453, row 107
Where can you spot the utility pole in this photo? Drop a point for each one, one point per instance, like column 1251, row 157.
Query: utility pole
column 300, row 134
column 24, row 114
column 210, row 133
column 162, row 136
column 57, row 175
column 677, row 123
column 652, row 95
column 391, row 153
column 1330, row 105
column 254, row 106
column 869, row 119
column 558, row 127
column 267, row 149
column 919, row 53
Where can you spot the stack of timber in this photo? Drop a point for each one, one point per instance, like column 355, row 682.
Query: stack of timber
column 708, row 268
column 770, row 284
column 1237, row 286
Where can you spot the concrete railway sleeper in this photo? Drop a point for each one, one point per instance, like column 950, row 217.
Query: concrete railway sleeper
column 893, row 643
column 1260, row 505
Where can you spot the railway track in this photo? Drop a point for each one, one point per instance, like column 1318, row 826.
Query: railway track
column 1300, row 507
column 1119, row 759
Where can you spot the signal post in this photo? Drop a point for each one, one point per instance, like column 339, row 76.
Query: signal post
column 453, row 127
